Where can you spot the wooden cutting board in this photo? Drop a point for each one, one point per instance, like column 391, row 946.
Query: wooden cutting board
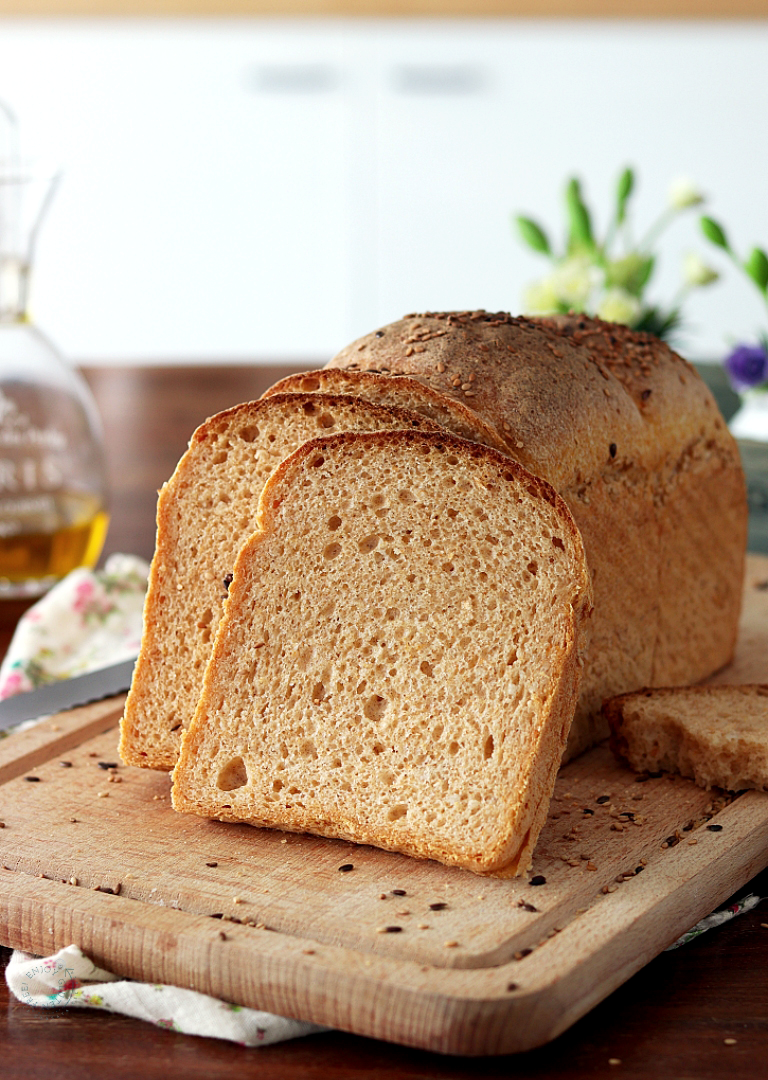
column 359, row 939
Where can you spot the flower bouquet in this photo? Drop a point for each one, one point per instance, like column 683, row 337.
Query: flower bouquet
column 609, row 276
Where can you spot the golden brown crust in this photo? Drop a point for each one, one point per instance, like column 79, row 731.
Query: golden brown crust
column 402, row 391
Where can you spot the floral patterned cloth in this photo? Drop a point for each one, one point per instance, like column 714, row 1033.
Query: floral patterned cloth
column 69, row 978
column 88, row 620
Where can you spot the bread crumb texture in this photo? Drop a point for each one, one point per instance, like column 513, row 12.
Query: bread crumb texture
column 630, row 436
column 400, row 654
column 205, row 513
column 717, row 735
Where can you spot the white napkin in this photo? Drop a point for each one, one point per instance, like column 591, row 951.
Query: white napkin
column 69, row 978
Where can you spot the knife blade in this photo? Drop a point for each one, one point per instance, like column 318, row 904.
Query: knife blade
column 67, row 693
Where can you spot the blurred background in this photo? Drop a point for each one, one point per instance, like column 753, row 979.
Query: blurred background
column 264, row 189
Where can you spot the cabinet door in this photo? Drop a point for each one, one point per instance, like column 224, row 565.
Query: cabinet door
column 477, row 121
column 204, row 209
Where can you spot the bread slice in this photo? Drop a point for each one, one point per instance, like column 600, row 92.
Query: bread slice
column 631, row 438
column 204, row 513
column 398, row 391
column 718, row 735
column 400, row 653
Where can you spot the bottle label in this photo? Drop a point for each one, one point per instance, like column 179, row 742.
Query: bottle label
column 29, row 455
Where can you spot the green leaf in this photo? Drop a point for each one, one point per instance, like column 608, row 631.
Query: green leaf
column 663, row 324
column 714, row 232
column 533, row 235
column 630, row 273
column 757, row 268
column 623, row 191
column 580, row 236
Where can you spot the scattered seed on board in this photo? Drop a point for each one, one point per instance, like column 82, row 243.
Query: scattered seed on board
column 441, row 906
column 211, row 864
column 450, row 944
column 538, row 879
column 399, row 892
column 346, row 868
column 730, row 1042
column 389, row 930
column 714, row 828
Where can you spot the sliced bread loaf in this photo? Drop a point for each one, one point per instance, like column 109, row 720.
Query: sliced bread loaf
column 204, row 513
column 718, row 735
column 400, row 653
column 632, row 439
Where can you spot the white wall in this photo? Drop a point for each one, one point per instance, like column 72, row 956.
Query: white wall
column 268, row 190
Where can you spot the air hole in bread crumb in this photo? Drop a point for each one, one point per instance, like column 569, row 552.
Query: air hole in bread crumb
column 426, row 668
column 249, row 434
column 533, row 568
column 453, row 748
column 219, row 458
column 488, row 747
column 318, row 693
column 397, row 812
column 452, row 513
column 326, row 420
column 334, row 522
column 309, row 408
column 316, row 462
column 375, row 707
column 378, row 748
column 308, row 749
column 452, row 460
column 406, row 497
column 448, row 567
column 558, row 543
column 331, row 551
column 277, row 785
column 232, row 775
column 368, row 543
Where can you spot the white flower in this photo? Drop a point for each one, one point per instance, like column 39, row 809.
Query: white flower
column 697, row 272
column 683, row 193
column 619, row 306
column 574, row 280
column 540, row 298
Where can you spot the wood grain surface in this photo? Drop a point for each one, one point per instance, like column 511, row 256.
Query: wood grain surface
column 670, row 1020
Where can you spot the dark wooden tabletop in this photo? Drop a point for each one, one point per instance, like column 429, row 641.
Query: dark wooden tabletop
column 669, row 1021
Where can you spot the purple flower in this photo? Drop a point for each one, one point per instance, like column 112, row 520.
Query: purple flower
column 747, row 366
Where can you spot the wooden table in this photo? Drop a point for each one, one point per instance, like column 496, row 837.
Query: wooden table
column 670, row 1021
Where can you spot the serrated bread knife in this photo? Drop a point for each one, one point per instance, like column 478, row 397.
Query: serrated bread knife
column 66, row 694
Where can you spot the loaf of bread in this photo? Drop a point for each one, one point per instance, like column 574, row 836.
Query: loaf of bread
column 631, row 438
column 205, row 512
column 718, row 735
column 399, row 657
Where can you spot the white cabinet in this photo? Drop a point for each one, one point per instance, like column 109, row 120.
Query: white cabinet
column 246, row 189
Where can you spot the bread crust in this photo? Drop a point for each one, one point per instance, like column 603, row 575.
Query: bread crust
column 525, row 802
column 633, row 440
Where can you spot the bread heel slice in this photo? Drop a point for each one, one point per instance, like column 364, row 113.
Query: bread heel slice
column 716, row 735
column 400, row 654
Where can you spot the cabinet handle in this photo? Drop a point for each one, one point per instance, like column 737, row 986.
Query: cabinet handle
column 437, row 79
column 293, row 79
